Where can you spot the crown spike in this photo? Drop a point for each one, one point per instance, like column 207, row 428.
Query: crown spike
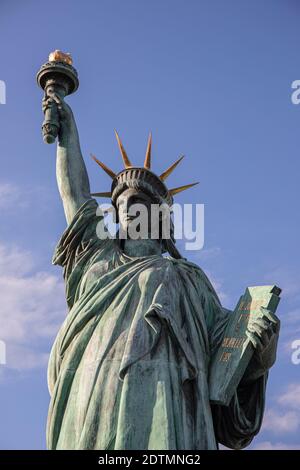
column 104, row 167
column 127, row 162
column 174, row 191
column 147, row 162
column 105, row 194
column 171, row 168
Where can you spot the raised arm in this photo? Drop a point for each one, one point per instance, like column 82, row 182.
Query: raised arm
column 72, row 178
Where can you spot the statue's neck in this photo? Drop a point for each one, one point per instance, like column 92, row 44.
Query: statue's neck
column 138, row 248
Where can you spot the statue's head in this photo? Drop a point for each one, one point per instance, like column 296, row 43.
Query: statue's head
column 132, row 205
column 139, row 187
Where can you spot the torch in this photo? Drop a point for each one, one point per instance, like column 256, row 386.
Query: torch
column 57, row 76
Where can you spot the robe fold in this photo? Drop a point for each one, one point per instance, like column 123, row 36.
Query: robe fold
column 129, row 366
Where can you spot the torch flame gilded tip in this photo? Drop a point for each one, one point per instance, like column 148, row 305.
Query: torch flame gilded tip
column 59, row 56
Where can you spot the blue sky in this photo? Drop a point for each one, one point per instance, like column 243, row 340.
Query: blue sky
column 212, row 80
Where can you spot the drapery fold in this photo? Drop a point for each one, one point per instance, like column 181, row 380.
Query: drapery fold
column 129, row 366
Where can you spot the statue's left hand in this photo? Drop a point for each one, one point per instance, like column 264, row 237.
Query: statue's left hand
column 263, row 332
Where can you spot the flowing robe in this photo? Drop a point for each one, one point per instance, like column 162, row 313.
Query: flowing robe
column 129, row 367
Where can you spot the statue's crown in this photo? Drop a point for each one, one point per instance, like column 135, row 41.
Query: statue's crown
column 142, row 178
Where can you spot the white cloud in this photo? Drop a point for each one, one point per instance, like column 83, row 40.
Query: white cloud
column 9, row 195
column 281, row 422
column 14, row 261
column 267, row 445
column 291, row 397
column 204, row 255
column 212, row 252
column 32, row 307
column 284, row 419
column 16, row 197
column 218, row 286
column 287, row 280
column 23, row 358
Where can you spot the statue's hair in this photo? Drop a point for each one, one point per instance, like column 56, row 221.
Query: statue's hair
column 139, row 185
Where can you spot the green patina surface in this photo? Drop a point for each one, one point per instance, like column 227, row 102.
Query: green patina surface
column 234, row 355
column 129, row 367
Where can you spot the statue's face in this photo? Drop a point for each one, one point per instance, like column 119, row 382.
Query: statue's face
column 128, row 203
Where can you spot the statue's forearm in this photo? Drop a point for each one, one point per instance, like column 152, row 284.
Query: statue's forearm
column 72, row 177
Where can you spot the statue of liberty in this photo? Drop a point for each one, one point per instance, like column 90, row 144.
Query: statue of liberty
column 129, row 366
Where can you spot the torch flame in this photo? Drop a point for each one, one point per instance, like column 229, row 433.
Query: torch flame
column 59, row 56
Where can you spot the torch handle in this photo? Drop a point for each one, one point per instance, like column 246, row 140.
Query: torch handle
column 51, row 123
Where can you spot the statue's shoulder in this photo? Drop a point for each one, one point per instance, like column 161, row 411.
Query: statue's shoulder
column 186, row 268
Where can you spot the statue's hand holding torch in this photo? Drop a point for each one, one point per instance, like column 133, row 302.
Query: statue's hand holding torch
column 59, row 120
column 58, row 78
